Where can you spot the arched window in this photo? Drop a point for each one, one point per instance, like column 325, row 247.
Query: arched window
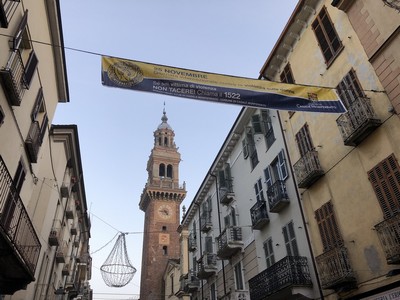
column 159, row 140
column 169, row 171
column 161, row 170
column 165, row 141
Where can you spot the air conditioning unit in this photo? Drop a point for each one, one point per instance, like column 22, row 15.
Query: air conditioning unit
column 64, row 192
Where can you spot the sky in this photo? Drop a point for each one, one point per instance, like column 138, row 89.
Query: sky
column 115, row 126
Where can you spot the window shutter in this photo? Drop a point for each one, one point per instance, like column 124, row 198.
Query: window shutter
column 282, row 165
column 385, row 180
column 256, row 122
column 266, row 121
column 30, row 68
column 43, row 128
column 209, row 204
column 303, row 139
column 328, row 228
column 292, row 237
column 221, row 177
column 286, row 238
column 227, row 221
column 38, row 105
column 268, row 178
column 245, row 147
column 208, row 244
column 20, row 32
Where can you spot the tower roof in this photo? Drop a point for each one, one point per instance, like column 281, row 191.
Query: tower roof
column 164, row 124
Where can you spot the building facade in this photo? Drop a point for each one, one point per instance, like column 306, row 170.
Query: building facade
column 346, row 165
column 243, row 236
column 160, row 200
column 44, row 227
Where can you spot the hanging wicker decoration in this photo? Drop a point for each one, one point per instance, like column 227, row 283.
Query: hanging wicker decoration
column 117, row 270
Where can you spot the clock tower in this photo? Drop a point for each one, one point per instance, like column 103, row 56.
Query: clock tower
column 160, row 201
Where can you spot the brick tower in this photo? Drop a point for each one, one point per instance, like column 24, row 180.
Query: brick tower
column 160, row 200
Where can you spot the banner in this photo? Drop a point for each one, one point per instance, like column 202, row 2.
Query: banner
column 146, row 77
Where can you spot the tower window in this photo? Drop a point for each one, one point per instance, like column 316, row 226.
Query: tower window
column 169, row 171
column 162, row 170
column 165, row 141
column 165, row 250
column 164, row 228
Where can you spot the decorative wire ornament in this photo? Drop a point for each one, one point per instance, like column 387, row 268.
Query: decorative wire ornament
column 393, row 4
column 117, row 270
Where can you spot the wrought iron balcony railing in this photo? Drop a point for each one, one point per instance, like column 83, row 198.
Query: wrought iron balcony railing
column 259, row 215
column 12, row 77
column 358, row 122
column 277, row 196
column 15, row 223
column 229, row 242
column 207, row 265
column 226, row 195
column 308, row 169
column 192, row 243
column 389, row 234
column 7, row 10
column 288, row 272
column 190, row 283
column 335, row 269
column 205, row 219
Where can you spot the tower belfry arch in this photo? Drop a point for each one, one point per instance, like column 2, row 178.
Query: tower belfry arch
column 160, row 201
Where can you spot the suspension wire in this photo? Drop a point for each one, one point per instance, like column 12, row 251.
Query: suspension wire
column 102, row 54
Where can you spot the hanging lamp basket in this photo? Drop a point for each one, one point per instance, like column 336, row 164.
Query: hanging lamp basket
column 117, row 270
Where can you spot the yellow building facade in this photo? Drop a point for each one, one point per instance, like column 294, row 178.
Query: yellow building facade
column 346, row 166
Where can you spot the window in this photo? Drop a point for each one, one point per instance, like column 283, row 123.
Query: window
column 328, row 228
column 165, row 250
column 213, row 292
column 276, row 170
column 194, row 231
column 172, row 283
column 259, row 190
column 249, row 147
column 303, row 140
column 161, row 171
column 7, row 10
column 208, row 244
column 349, row 89
column 290, row 240
column 169, row 171
column 262, row 125
column 225, row 178
column 327, row 37
column 230, row 219
column 194, row 263
column 2, row 116
column 39, row 116
column 269, row 252
column 287, row 77
column 164, row 228
column 385, row 180
column 239, row 277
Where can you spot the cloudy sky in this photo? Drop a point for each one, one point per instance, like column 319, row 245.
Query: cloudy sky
column 116, row 126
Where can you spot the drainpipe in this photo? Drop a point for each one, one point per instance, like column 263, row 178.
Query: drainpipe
column 201, row 248
column 302, row 213
column 219, row 223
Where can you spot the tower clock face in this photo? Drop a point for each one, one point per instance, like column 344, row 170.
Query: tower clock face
column 165, row 212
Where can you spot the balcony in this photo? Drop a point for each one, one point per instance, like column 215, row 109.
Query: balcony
column 33, row 142
column 74, row 231
column 54, row 239
column 206, row 223
column 207, row 265
column 308, row 169
column 61, row 254
column 389, row 234
column 229, row 242
column 12, row 78
column 240, row 295
column 7, row 10
column 277, row 196
column 69, row 214
column 18, row 238
column 226, row 195
column 335, row 270
column 65, row 270
column 259, row 215
column 358, row 122
column 190, row 282
column 192, row 243
column 280, row 278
